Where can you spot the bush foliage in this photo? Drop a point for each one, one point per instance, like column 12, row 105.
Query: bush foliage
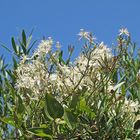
column 96, row 96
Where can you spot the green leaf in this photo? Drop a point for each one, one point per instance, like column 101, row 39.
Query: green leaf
column 118, row 85
column 74, row 102
column 8, row 120
column 83, row 119
column 1, row 106
column 86, row 109
column 29, row 40
column 9, row 106
column 9, row 72
column 31, row 46
column 24, row 38
column 115, row 76
column 47, row 114
column 20, row 106
column 14, row 63
column 23, row 47
column 60, row 58
column 41, row 132
column 53, row 107
column 6, row 48
column 14, row 45
column 70, row 118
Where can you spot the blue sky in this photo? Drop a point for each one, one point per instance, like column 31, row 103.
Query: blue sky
column 62, row 19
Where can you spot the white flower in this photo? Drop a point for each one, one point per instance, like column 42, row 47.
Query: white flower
column 50, row 40
column 84, row 34
column 44, row 47
column 65, row 69
column 53, row 77
column 101, row 52
column 124, row 31
column 115, row 87
column 131, row 105
column 35, row 75
column 58, row 46
column 138, row 74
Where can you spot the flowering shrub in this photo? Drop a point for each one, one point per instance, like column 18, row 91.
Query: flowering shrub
column 96, row 96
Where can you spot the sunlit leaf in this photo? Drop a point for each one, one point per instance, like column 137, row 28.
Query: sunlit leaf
column 41, row 132
column 8, row 120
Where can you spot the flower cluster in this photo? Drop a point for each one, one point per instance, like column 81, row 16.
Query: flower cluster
column 43, row 73
column 34, row 73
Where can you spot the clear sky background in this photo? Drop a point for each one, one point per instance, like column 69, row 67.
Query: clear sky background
column 62, row 20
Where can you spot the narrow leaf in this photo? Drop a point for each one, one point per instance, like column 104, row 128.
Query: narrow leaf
column 24, row 38
column 41, row 132
column 6, row 48
column 14, row 45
